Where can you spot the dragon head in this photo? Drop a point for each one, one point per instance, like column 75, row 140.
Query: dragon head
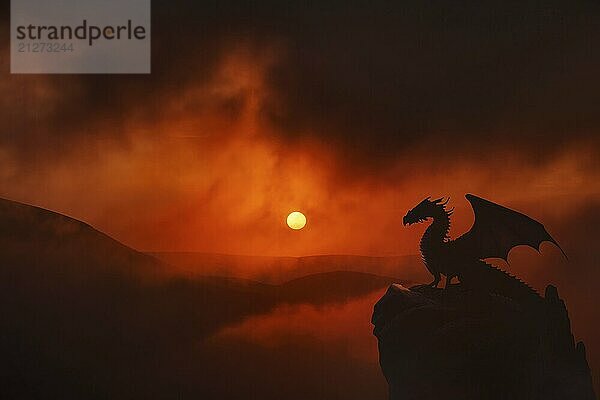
column 425, row 210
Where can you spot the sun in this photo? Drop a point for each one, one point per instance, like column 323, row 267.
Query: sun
column 296, row 220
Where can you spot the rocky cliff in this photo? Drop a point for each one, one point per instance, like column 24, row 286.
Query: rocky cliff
column 458, row 344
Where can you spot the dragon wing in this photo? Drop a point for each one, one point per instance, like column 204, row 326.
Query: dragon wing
column 498, row 229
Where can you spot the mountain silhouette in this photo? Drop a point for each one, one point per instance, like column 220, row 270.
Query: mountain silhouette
column 84, row 316
column 35, row 238
column 282, row 269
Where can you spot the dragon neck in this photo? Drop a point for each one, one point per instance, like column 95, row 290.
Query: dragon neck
column 436, row 234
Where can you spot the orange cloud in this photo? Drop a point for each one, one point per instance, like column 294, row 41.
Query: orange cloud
column 210, row 173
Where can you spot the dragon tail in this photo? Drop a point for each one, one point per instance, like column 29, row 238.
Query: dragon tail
column 495, row 280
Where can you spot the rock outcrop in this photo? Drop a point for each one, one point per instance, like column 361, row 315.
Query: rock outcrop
column 458, row 344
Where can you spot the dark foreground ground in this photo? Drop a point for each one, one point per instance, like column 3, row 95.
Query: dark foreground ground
column 458, row 344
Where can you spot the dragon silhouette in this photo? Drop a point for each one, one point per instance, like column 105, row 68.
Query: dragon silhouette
column 495, row 232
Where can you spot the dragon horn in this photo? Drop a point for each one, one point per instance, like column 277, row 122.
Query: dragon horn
column 441, row 201
column 425, row 200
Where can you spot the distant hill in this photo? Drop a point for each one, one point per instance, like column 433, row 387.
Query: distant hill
column 84, row 316
column 39, row 240
column 282, row 269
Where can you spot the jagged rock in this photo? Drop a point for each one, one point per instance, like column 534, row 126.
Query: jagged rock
column 459, row 344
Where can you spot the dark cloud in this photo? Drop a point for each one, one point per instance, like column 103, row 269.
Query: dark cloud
column 378, row 78
column 382, row 79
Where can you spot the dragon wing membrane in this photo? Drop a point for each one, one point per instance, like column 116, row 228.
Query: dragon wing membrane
column 498, row 229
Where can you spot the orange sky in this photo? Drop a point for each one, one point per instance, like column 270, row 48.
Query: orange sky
column 200, row 177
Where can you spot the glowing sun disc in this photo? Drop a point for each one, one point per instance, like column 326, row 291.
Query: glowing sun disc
column 296, row 220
